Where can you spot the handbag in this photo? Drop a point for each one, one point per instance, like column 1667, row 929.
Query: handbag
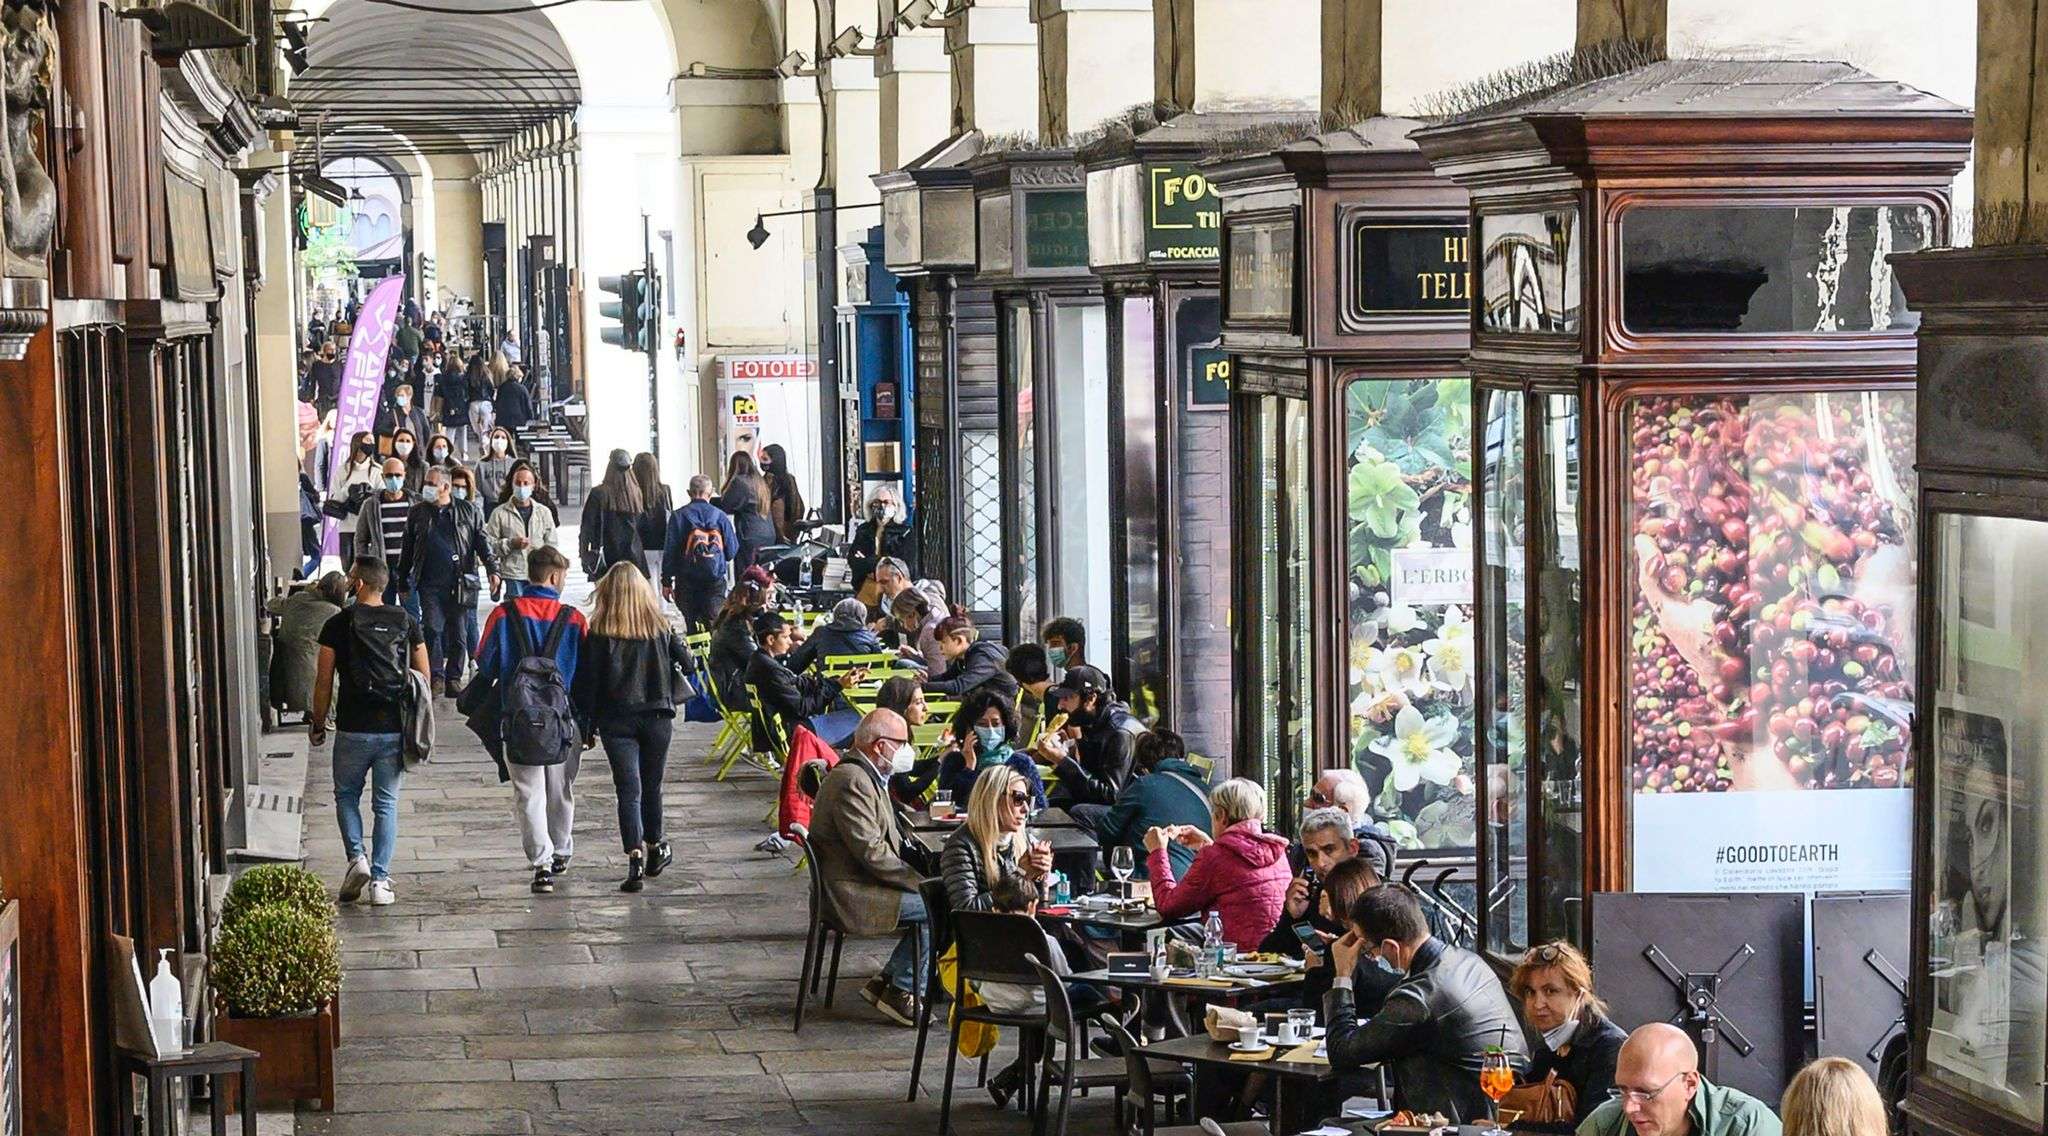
column 1551, row 1100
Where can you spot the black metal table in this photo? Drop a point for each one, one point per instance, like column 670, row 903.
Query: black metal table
column 214, row 1059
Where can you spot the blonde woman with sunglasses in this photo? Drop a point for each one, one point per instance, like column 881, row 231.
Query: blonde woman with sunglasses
column 991, row 845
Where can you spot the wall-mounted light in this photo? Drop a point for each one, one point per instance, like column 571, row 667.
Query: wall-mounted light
column 758, row 235
column 792, row 67
column 926, row 14
column 848, row 43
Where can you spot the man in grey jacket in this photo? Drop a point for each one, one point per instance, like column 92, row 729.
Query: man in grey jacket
column 1438, row 1022
column 869, row 888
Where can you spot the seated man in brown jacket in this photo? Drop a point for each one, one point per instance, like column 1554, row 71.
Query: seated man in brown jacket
column 857, row 842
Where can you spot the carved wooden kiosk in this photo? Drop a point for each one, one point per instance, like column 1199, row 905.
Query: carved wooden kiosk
column 1344, row 315
column 1696, row 518
column 1979, row 1019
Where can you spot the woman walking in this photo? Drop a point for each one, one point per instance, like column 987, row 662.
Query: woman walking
column 624, row 689
column 611, row 520
column 785, row 500
column 517, row 527
column 495, row 468
column 656, row 504
column 746, row 498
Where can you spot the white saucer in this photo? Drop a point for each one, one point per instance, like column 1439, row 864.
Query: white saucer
column 1253, row 1047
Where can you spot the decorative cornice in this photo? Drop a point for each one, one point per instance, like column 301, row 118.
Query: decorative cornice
column 24, row 311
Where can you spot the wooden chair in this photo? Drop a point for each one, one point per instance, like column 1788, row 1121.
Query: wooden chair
column 823, row 923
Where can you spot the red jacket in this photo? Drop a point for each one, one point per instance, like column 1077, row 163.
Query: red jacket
column 804, row 747
column 1243, row 874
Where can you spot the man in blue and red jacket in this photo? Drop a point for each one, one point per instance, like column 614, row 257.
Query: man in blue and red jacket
column 544, row 794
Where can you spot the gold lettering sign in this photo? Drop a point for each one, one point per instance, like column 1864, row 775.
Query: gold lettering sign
column 1410, row 268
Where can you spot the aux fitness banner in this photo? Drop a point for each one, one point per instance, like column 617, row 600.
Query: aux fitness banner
column 362, row 380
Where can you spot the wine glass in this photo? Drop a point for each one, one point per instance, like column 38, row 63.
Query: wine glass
column 1121, row 864
column 1496, row 1077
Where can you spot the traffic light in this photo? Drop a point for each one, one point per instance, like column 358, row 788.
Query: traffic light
column 629, row 309
column 650, row 314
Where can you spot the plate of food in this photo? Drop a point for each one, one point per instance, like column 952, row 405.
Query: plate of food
column 1258, row 970
column 1406, row 1123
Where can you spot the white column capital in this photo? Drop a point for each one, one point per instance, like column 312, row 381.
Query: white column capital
column 908, row 52
column 1042, row 10
column 848, row 73
column 989, row 24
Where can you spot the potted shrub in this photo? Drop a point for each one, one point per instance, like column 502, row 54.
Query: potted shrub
column 287, row 884
column 276, row 969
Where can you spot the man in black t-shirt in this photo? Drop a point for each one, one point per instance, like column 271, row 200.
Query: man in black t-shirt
column 368, row 647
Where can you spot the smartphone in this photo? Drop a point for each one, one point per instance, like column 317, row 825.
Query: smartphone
column 1306, row 932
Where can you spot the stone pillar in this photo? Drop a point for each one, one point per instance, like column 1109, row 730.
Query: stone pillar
column 1645, row 21
column 2012, row 122
column 1094, row 62
column 914, row 79
column 853, row 144
column 1237, row 55
column 994, row 50
column 716, row 115
column 277, row 370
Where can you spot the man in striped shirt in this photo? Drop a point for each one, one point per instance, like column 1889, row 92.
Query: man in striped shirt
column 380, row 530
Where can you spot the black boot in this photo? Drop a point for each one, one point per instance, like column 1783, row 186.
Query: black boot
column 659, row 857
column 632, row 881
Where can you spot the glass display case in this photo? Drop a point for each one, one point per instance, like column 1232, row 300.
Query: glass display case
column 1344, row 308
column 1693, row 373
column 1979, row 1009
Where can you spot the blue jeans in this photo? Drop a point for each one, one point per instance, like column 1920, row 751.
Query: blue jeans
column 409, row 599
column 637, row 746
column 445, row 618
column 901, row 969
column 376, row 757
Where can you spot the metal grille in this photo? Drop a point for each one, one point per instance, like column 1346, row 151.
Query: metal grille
column 982, row 523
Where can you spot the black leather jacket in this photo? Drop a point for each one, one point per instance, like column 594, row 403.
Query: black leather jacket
column 434, row 534
column 1587, row 1064
column 1102, row 760
column 732, row 648
column 618, row 678
column 980, row 665
column 1432, row 1033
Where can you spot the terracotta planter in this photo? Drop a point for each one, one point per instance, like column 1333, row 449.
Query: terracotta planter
column 297, row 1062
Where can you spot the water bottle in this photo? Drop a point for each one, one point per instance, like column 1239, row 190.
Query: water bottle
column 1212, row 944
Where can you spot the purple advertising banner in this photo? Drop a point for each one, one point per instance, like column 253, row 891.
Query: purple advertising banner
column 362, row 379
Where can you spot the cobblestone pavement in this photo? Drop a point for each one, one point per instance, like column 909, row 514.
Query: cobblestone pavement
column 473, row 1006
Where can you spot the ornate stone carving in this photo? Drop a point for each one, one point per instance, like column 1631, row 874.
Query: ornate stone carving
column 28, row 198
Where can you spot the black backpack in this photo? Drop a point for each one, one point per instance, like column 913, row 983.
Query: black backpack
column 703, row 551
column 538, row 726
column 380, row 651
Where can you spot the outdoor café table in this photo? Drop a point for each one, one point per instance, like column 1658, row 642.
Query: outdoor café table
column 1066, row 842
column 1290, row 1068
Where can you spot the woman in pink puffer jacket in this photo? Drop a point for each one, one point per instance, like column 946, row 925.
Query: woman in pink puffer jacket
column 1242, row 873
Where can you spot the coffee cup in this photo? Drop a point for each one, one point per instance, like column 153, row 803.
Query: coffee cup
column 1251, row 1036
column 1159, row 971
column 1286, row 1031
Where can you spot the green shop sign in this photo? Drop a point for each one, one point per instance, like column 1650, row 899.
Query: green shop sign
column 1055, row 228
column 1183, row 217
column 1208, row 378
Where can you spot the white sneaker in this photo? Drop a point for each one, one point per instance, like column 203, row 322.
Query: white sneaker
column 380, row 894
column 352, row 881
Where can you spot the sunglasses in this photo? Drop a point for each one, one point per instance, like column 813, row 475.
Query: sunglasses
column 1020, row 799
column 1547, row 953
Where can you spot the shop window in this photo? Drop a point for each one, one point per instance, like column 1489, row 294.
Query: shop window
column 1985, row 883
column 1203, row 673
column 1784, row 269
column 1299, row 700
column 1141, row 520
column 1408, row 583
column 1529, row 271
column 1504, row 744
column 1024, row 504
column 1262, row 455
column 1556, row 687
column 1079, row 454
column 982, row 519
column 1771, row 569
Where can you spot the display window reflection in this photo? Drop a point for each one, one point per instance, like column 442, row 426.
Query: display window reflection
column 1556, row 686
column 1529, row 271
column 1504, row 751
column 1408, row 487
column 1024, row 440
column 1985, row 1021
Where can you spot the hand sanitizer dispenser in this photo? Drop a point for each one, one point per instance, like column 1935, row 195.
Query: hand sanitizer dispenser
column 167, row 1007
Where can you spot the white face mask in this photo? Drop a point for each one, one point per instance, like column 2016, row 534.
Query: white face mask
column 904, row 759
column 497, row 445
column 402, row 449
column 1560, row 1037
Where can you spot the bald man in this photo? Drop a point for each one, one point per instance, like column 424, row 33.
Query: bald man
column 1658, row 1091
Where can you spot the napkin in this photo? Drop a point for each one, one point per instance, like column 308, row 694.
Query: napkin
column 1265, row 1054
column 1223, row 1022
column 1309, row 1052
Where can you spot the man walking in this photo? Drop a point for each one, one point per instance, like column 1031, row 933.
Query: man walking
column 544, row 796
column 697, row 555
column 444, row 539
column 370, row 647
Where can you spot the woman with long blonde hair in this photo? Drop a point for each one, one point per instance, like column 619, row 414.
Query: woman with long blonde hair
column 991, row 844
column 1833, row 1097
column 625, row 690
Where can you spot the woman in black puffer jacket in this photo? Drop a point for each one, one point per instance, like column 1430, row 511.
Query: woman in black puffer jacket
column 991, row 844
column 624, row 695
column 733, row 646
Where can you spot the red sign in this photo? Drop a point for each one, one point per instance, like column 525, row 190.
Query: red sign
column 755, row 368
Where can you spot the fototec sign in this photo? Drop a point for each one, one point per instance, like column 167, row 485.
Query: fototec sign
column 1183, row 216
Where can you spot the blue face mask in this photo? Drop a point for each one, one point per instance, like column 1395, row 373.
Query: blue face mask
column 459, row 493
column 991, row 737
column 393, row 484
column 523, row 492
column 1057, row 656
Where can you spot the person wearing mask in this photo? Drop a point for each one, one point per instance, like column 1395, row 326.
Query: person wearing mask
column 909, row 777
column 405, row 446
column 1658, row 1091
column 917, row 625
column 624, row 693
column 796, row 699
column 1326, row 841
column 441, row 452
column 1092, row 752
column 367, row 647
column 972, row 664
column 401, row 415
column 1575, row 1044
column 444, row 540
column 1240, row 872
column 354, row 482
column 845, row 634
column 1065, row 644
column 316, row 331
column 295, row 644
column 1166, row 791
column 1027, row 664
column 544, row 796
column 325, row 379
column 1434, row 1028
column 696, row 555
column 380, row 529
column 516, row 528
column 483, row 413
column 494, row 470
column 986, row 726
column 514, row 403
column 1833, row 1097
column 857, row 843
column 610, row 532
column 453, row 390
column 881, row 535
column 785, row 499
column 745, row 500
column 540, row 489
column 656, row 503
column 733, row 645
